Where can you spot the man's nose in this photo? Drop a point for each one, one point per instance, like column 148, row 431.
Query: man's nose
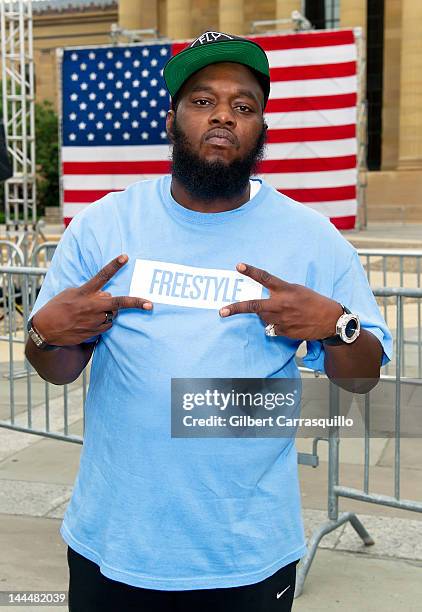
column 223, row 115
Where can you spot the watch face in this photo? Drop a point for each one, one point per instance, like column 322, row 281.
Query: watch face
column 351, row 328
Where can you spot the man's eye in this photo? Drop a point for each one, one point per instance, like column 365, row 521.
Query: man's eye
column 243, row 108
column 201, row 102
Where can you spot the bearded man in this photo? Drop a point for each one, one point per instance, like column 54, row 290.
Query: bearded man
column 206, row 273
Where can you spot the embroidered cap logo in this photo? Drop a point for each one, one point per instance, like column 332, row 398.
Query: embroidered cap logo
column 208, row 37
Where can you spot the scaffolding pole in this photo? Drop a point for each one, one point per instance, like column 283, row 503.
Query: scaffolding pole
column 18, row 98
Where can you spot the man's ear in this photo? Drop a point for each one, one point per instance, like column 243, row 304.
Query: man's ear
column 265, row 126
column 169, row 124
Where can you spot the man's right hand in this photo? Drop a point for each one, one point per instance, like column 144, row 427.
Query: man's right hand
column 78, row 313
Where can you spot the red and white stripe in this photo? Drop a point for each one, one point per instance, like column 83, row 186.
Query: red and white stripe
column 311, row 116
column 312, row 144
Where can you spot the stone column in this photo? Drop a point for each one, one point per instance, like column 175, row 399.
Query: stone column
column 391, row 84
column 353, row 14
column 410, row 138
column 137, row 14
column 178, row 19
column 231, row 17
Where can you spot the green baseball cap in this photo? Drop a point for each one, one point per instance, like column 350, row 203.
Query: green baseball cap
column 212, row 48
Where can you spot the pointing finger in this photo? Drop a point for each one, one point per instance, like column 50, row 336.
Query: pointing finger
column 104, row 275
column 125, row 301
column 247, row 306
column 261, row 276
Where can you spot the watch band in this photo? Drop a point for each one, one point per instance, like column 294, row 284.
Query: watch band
column 336, row 339
column 39, row 341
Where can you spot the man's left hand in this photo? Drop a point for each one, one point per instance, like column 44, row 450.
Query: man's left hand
column 296, row 311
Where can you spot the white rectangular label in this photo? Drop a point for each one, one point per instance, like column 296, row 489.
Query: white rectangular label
column 170, row 283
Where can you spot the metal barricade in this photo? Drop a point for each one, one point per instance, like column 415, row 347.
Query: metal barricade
column 27, row 403
column 10, row 254
column 43, row 253
column 392, row 267
column 398, row 268
column 335, row 489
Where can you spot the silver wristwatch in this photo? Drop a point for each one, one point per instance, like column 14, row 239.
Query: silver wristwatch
column 347, row 329
column 39, row 341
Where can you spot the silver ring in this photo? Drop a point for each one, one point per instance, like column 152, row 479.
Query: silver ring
column 270, row 330
column 109, row 317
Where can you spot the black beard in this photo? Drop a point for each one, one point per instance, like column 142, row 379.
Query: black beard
column 212, row 180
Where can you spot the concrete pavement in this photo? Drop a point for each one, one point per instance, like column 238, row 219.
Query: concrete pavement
column 338, row 581
column 36, row 478
column 386, row 235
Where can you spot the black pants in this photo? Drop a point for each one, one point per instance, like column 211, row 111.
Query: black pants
column 91, row 591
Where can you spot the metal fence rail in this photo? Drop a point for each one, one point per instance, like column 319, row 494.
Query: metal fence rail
column 398, row 268
column 392, row 267
column 43, row 253
column 27, row 403
column 335, row 488
column 10, row 254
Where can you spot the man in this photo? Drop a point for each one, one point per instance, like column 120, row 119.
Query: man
column 167, row 523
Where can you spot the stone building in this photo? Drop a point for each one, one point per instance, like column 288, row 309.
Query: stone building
column 394, row 66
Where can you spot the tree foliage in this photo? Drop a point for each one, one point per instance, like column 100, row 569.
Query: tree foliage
column 46, row 157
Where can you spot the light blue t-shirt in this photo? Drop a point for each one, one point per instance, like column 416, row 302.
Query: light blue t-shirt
column 173, row 513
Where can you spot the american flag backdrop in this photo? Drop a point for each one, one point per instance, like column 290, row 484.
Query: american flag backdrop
column 114, row 105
